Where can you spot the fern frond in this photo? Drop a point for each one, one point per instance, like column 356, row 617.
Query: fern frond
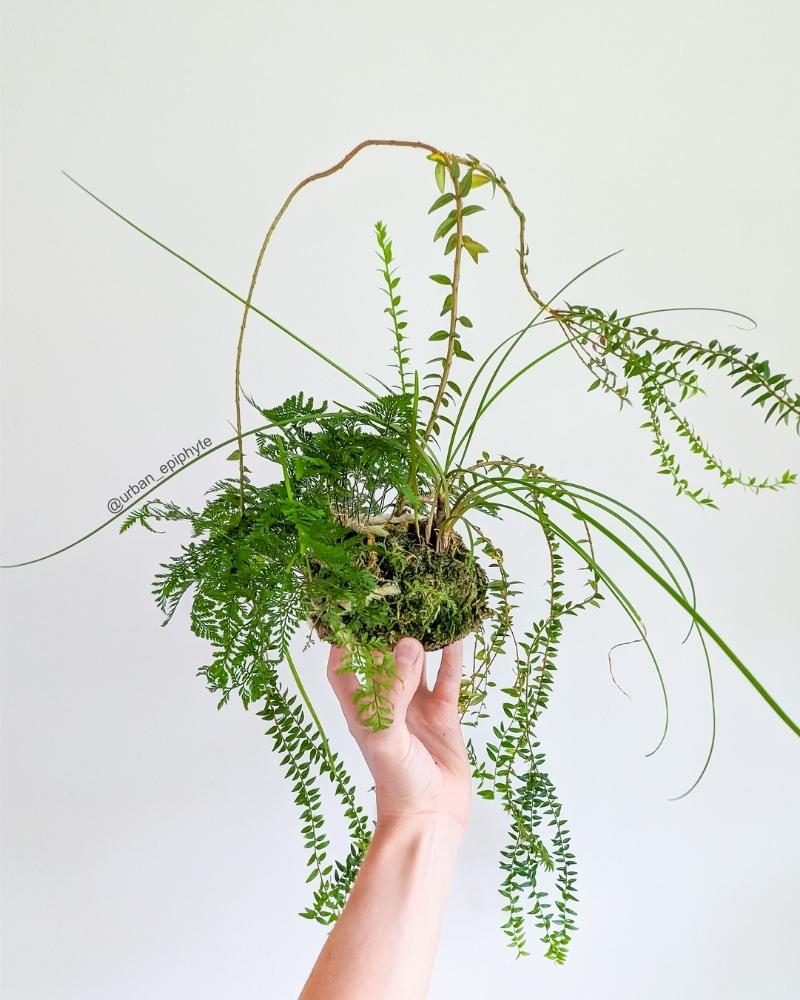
column 398, row 327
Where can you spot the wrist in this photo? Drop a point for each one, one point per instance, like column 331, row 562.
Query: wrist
column 436, row 827
column 421, row 848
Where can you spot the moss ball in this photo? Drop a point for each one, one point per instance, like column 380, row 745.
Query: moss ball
column 435, row 597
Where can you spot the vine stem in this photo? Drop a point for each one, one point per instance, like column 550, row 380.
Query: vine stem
column 484, row 168
column 471, row 162
column 451, row 338
column 409, row 143
column 306, row 700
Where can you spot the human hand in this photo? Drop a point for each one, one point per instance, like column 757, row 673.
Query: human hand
column 419, row 762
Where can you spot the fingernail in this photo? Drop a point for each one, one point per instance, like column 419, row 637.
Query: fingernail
column 405, row 652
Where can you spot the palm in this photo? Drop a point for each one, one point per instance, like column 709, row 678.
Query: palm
column 419, row 762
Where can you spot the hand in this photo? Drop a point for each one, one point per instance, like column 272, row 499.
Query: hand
column 419, row 762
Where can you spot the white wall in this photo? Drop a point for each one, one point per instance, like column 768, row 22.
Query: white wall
column 151, row 848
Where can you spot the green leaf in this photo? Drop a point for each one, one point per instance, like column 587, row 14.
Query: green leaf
column 444, row 227
column 441, row 279
column 474, row 248
column 439, row 174
column 441, row 200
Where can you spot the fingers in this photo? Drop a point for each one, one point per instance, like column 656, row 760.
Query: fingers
column 409, row 660
column 448, row 679
column 423, row 674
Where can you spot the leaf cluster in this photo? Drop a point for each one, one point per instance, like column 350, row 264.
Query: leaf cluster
column 665, row 372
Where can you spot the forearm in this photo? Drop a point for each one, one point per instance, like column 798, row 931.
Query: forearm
column 384, row 942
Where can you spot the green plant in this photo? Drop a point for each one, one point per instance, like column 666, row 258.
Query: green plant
column 378, row 526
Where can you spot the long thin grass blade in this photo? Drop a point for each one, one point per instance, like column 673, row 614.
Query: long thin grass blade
column 137, row 501
column 215, row 281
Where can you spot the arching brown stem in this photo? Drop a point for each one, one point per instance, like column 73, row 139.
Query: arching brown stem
column 470, row 162
column 304, row 183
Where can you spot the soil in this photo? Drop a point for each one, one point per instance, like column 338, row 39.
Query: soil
column 435, row 597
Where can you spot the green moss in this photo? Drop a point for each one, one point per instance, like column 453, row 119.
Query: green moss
column 436, row 597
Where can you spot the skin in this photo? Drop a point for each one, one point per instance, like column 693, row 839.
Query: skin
column 384, row 942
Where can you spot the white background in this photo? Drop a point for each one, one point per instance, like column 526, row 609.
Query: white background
column 151, row 848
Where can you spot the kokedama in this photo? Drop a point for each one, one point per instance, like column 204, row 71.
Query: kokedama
column 378, row 526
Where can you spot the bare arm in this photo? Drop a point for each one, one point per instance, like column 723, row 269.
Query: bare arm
column 384, row 942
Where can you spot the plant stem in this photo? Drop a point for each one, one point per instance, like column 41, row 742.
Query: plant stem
column 523, row 249
column 451, row 338
column 247, row 306
column 138, row 500
column 306, row 699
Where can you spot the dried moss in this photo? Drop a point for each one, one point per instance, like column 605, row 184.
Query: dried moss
column 435, row 597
